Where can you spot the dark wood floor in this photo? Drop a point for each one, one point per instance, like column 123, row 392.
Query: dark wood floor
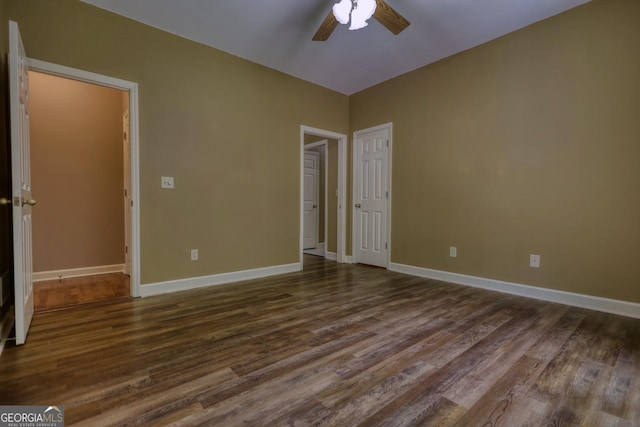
column 68, row 292
column 338, row 345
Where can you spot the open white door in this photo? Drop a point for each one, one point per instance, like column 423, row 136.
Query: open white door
column 311, row 161
column 21, row 183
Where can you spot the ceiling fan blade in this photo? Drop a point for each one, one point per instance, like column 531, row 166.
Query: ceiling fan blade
column 326, row 28
column 388, row 17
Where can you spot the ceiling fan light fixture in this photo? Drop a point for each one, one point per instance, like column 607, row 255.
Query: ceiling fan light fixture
column 342, row 11
column 363, row 12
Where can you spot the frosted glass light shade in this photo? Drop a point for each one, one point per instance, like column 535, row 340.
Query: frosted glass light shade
column 360, row 15
column 342, row 11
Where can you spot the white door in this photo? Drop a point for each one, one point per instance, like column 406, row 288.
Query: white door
column 127, row 191
column 371, row 197
column 21, row 183
column 311, row 185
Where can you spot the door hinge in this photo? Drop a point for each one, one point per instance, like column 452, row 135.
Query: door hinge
column 132, row 203
column 386, row 245
column 387, row 143
column 387, row 194
column 126, row 249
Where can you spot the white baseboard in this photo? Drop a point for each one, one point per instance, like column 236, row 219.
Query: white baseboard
column 623, row 308
column 319, row 250
column 5, row 328
column 216, row 279
column 331, row 255
column 77, row 272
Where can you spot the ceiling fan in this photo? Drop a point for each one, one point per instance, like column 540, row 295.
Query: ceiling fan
column 358, row 11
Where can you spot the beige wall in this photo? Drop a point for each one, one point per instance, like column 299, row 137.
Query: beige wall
column 225, row 128
column 527, row 144
column 77, row 174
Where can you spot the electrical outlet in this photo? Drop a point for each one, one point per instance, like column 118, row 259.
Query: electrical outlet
column 194, row 254
column 534, row 261
column 166, row 182
column 453, row 251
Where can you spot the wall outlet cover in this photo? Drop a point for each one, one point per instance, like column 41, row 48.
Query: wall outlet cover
column 534, row 261
column 166, row 182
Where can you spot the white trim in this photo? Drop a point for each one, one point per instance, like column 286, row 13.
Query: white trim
column 216, row 279
column 331, row 255
column 349, row 259
column 623, row 308
column 77, row 272
column 5, row 328
column 342, row 188
column 134, row 139
column 76, row 74
column 389, row 127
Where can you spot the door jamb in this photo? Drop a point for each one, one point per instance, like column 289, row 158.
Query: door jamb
column 356, row 134
column 132, row 89
column 342, row 189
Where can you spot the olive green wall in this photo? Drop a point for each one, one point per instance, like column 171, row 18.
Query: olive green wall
column 225, row 128
column 76, row 156
column 528, row 144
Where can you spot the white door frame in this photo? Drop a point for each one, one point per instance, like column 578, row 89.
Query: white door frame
column 356, row 134
column 324, row 144
column 342, row 188
column 132, row 89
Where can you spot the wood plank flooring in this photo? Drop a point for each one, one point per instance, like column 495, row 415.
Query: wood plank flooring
column 72, row 291
column 334, row 345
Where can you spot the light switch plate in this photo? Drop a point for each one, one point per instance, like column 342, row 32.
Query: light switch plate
column 166, row 182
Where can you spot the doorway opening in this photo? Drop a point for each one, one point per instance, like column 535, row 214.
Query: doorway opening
column 85, row 166
column 329, row 213
column 316, row 200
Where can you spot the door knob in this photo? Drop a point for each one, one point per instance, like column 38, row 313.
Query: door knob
column 358, row 205
column 29, row 202
column 4, row 201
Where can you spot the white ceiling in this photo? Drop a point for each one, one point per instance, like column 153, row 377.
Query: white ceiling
column 278, row 34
